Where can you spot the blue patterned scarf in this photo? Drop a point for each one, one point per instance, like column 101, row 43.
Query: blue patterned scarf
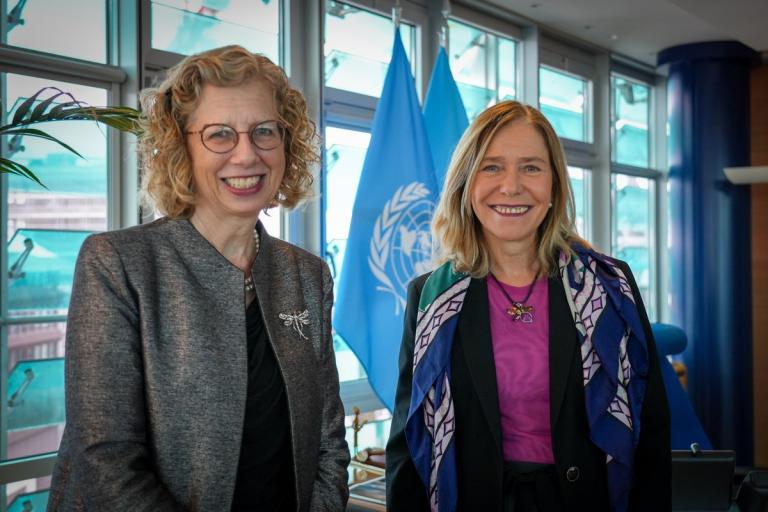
column 614, row 358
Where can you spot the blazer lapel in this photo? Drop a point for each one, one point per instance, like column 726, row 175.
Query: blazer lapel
column 280, row 291
column 474, row 334
column 563, row 346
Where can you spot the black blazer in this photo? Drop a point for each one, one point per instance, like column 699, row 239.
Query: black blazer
column 580, row 465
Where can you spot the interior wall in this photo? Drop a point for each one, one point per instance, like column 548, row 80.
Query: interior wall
column 759, row 200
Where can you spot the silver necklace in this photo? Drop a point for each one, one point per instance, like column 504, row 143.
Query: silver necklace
column 249, row 286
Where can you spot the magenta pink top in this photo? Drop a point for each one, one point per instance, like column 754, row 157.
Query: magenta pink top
column 521, row 355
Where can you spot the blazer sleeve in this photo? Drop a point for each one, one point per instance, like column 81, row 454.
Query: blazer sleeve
column 104, row 462
column 405, row 490
column 330, row 491
column 653, row 457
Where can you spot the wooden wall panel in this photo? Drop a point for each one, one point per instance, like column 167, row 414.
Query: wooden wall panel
column 759, row 148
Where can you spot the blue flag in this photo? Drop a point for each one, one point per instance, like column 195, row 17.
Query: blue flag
column 444, row 115
column 389, row 239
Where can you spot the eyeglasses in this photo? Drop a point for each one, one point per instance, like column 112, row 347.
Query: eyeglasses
column 222, row 138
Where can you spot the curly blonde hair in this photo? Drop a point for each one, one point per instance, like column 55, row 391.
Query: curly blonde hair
column 457, row 230
column 167, row 182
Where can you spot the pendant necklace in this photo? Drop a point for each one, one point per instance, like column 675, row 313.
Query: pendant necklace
column 518, row 310
column 249, row 286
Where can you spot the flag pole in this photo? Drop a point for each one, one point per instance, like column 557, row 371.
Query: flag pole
column 444, row 25
column 397, row 14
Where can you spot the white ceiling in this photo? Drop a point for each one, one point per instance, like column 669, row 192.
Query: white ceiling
column 641, row 28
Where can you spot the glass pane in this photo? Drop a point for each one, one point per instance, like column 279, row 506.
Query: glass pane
column 41, row 265
column 187, row 27
column 38, row 25
column 27, row 495
column 633, row 230
column 46, row 226
column 564, row 99
column 483, row 65
column 347, row 364
column 345, row 153
column 580, row 183
column 358, row 47
column 35, row 402
column 507, row 68
column 271, row 221
column 631, row 110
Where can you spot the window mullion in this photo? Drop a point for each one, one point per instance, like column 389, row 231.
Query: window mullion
column 3, row 280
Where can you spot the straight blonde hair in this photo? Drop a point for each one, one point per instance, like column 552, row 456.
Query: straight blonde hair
column 457, row 231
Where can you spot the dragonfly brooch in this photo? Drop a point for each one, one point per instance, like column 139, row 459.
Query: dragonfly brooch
column 296, row 320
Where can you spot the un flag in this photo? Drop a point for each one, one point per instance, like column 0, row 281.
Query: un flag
column 444, row 115
column 389, row 237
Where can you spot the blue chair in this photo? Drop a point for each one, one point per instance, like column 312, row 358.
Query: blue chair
column 686, row 428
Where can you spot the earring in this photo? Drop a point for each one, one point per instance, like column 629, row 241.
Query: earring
column 550, row 204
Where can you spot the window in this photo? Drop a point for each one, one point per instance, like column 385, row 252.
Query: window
column 630, row 137
column 633, row 231
column 358, row 46
column 46, row 226
column 565, row 100
column 85, row 36
column 344, row 153
column 35, row 408
column 581, row 185
column 187, row 27
column 26, row 495
column 357, row 50
column 42, row 229
column 634, row 184
column 484, row 66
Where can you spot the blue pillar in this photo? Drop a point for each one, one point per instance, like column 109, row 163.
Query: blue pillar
column 709, row 230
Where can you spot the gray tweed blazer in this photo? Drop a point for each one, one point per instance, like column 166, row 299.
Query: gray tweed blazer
column 156, row 373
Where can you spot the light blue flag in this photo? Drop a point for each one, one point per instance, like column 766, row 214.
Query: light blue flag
column 389, row 239
column 444, row 115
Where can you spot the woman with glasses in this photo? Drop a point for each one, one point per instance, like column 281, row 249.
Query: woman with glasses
column 529, row 379
column 200, row 368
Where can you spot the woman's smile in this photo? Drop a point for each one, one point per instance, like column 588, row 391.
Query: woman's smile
column 510, row 211
column 244, row 185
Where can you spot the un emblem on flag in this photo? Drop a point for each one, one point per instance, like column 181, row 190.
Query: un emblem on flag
column 401, row 242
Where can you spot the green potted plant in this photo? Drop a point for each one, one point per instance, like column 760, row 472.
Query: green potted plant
column 52, row 104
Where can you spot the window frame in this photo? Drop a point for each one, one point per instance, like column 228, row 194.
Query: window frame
column 497, row 28
column 656, row 173
column 120, row 86
column 355, row 111
column 161, row 60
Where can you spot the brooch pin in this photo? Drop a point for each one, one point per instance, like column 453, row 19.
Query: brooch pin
column 296, row 320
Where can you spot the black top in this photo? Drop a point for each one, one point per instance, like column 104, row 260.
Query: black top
column 265, row 478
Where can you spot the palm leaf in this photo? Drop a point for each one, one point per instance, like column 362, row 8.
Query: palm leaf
column 24, row 107
column 11, row 167
column 32, row 132
column 51, row 104
column 121, row 118
column 40, row 109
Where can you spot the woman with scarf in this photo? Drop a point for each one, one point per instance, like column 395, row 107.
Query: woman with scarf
column 529, row 378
